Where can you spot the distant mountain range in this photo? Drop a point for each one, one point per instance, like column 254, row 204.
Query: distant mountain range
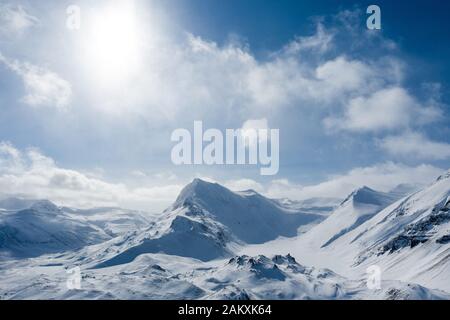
column 30, row 228
column 213, row 243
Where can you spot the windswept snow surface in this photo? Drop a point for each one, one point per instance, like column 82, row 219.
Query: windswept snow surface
column 157, row 276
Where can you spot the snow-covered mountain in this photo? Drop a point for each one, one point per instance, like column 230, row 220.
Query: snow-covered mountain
column 159, row 276
column 361, row 205
column 113, row 221
column 213, row 243
column 405, row 189
column 318, row 205
column 248, row 215
column 208, row 221
column 408, row 239
column 282, row 277
column 45, row 228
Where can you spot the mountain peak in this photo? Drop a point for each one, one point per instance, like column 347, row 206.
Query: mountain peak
column 364, row 189
column 198, row 183
column 251, row 217
column 358, row 193
column 446, row 175
column 197, row 189
column 366, row 195
column 45, row 206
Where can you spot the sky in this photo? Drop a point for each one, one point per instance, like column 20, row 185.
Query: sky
column 86, row 113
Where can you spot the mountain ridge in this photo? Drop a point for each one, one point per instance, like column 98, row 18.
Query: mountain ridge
column 207, row 221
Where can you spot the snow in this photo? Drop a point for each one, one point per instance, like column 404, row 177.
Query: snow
column 208, row 221
column 113, row 221
column 45, row 228
column 158, row 276
column 213, row 243
column 249, row 216
column 359, row 207
column 362, row 246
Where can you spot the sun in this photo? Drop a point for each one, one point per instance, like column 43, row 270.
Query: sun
column 112, row 42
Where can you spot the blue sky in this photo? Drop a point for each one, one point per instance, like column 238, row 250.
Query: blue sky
column 86, row 115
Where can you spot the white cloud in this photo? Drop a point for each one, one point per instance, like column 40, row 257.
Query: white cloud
column 244, row 184
column 319, row 42
column 344, row 74
column 15, row 20
column 387, row 109
column 283, row 188
column 382, row 177
column 10, row 158
column 44, row 88
column 415, row 145
column 193, row 76
column 255, row 124
column 250, row 128
column 31, row 174
column 159, row 176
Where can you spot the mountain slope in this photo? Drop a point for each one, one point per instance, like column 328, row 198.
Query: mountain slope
column 113, row 221
column 248, row 215
column 283, row 278
column 208, row 221
column 410, row 239
column 358, row 207
column 158, row 276
column 322, row 206
column 44, row 228
column 178, row 255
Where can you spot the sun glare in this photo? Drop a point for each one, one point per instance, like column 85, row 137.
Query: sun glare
column 112, row 43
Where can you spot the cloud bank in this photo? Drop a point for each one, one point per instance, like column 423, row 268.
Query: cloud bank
column 31, row 174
